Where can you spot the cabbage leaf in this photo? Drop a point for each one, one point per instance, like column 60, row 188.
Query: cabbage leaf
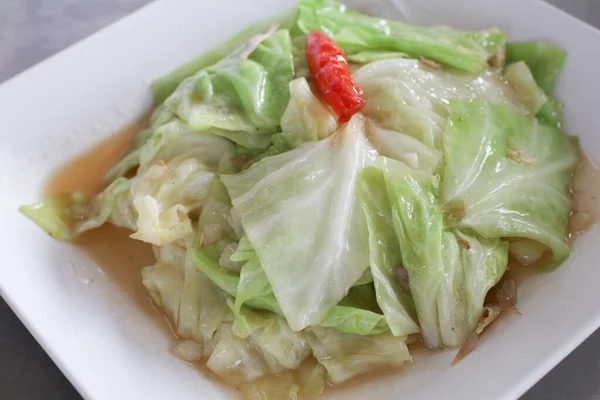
column 194, row 304
column 166, row 193
column 306, row 119
column 354, row 314
column 545, row 62
column 69, row 214
column 543, row 59
column 241, row 97
column 306, row 382
column 521, row 78
column 450, row 272
column 507, row 175
column 163, row 87
column 299, row 211
column 346, row 356
column 404, row 96
column 397, row 305
column 356, row 32
column 403, row 147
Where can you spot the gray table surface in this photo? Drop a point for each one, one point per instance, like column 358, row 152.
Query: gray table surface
column 31, row 30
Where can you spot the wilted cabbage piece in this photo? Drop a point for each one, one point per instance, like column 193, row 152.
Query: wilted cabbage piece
column 551, row 113
column 503, row 299
column 306, row 118
column 520, row 77
column 70, row 214
column 356, row 32
column 543, row 59
column 240, row 347
column 511, row 174
column 545, row 62
column 237, row 361
column 412, row 197
column 260, row 352
column 166, row 85
column 301, row 215
column 357, row 313
column 160, row 116
column 244, row 251
column 206, row 260
column 396, row 304
column 403, row 147
column 164, row 196
column 241, row 97
column 202, row 302
column 289, row 348
column 403, row 96
column 167, row 195
column 188, row 350
column 346, row 356
column 449, row 271
column 306, row 382
column 195, row 305
column 174, row 141
column 354, row 314
column 253, row 284
column 164, row 280
column 473, row 265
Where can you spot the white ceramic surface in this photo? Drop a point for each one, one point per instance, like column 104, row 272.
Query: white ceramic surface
column 107, row 348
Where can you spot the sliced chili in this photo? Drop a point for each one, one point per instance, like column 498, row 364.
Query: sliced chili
column 329, row 68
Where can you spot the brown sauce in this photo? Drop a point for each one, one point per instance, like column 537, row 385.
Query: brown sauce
column 85, row 173
column 122, row 258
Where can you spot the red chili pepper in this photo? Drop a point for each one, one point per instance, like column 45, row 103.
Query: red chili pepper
column 329, row 69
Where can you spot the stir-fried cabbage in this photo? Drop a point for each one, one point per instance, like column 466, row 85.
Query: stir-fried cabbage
column 346, row 356
column 544, row 59
column 545, row 62
column 241, row 97
column 450, row 271
column 507, row 175
column 306, row 119
column 404, row 96
column 294, row 252
column 356, row 313
column 356, row 32
column 300, row 213
column 396, row 304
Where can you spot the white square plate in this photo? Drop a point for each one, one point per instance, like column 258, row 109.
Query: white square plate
column 108, row 348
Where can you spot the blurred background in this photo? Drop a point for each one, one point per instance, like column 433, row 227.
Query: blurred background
column 32, row 30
